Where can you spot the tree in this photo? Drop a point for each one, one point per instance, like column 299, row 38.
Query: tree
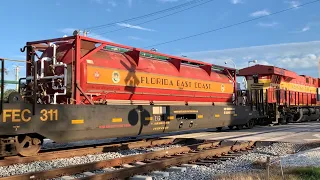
column 5, row 70
column 7, row 93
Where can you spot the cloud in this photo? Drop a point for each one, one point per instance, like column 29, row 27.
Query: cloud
column 112, row 3
column 260, row 13
column 69, row 32
column 134, row 27
column 130, row 3
column 271, row 24
column 299, row 57
column 98, row 1
column 165, row 1
column 135, row 38
column 236, row 1
column 294, row 4
column 306, row 28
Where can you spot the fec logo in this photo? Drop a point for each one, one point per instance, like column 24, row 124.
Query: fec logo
column 222, row 87
column 96, row 75
column 116, row 77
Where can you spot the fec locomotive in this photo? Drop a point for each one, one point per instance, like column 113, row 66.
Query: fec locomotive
column 80, row 88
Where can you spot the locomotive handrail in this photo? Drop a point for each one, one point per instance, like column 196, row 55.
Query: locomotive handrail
column 2, row 84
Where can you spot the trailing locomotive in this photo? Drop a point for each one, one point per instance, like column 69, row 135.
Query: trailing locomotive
column 282, row 95
column 79, row 88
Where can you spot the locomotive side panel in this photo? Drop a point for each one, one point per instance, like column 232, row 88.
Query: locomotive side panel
column 65, row 123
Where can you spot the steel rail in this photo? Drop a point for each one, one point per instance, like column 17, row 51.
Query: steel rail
column 82, row 151
column 193, row 152
column 166, row 162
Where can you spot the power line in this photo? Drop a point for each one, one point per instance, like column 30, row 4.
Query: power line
column 232, row 25
column 146, row 15
column 157, row 18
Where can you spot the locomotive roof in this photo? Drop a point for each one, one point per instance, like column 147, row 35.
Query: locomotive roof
column 266, row 70
column 42, row 44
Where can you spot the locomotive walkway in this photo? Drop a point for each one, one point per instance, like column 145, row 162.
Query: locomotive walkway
column 292, row 133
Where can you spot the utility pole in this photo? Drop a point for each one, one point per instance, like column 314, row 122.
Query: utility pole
column 319, row 68
column 17, row 69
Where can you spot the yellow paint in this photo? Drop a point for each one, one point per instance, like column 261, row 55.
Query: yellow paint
column 290, row 86
column 170, row 117
column 99, row 75
column 228, row 112
column 228, row 109
column 77, row 121
column 161, row 123
column 116, row 120
column 185, row 111
column 49, row 114
column 217, row 115
column 160, row 128
column 16, row 115
column 148, row 118
column 200, row 116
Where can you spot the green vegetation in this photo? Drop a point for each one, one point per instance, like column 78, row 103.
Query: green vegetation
column 6, row 94
column 299, row 173
column 306, row 172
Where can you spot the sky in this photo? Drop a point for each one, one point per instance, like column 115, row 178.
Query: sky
column 289, row 40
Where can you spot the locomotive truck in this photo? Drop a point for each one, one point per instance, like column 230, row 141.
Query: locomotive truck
column 80, row 88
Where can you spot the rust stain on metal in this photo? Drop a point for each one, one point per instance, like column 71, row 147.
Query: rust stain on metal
column 156, row 164
column 46, row 156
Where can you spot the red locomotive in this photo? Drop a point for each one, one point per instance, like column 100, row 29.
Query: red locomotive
column 282, row 95
column 79, row 88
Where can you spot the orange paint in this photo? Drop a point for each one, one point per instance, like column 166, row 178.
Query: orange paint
column 108, row 76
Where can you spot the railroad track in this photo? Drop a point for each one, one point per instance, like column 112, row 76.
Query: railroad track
column 74, row 151
column 128, row 166
column 52, row 154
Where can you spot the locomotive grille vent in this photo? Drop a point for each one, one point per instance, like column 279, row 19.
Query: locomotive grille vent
column 257, row 86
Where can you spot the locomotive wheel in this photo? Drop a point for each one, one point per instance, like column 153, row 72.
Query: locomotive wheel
column 219, row 128
column 250, row 124
column 239, row 127
column 231, row 127
column 28, row 146
column 14, row 97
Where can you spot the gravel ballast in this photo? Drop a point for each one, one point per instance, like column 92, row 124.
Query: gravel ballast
column 58, row 163
column 245, row 163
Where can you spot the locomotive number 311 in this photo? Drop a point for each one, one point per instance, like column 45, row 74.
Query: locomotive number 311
column 24, row 115
column 49, row 114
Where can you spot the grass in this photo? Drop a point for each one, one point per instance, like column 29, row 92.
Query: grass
column 306, row 172
column 299, row 173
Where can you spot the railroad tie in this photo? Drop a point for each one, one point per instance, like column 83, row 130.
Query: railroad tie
column 177, row 169
column 160, row 173
column 139, row 177
column 189, row 165
column 67, row 177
